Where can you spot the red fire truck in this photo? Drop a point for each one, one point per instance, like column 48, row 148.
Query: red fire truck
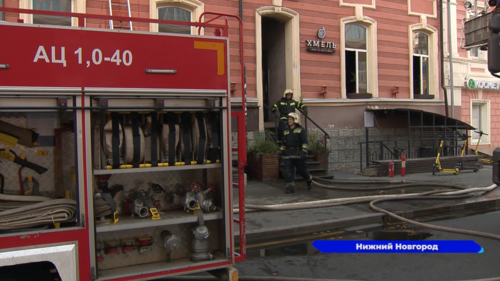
column 116, row 150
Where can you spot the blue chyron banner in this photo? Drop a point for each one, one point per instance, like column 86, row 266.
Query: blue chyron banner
column 435, row 246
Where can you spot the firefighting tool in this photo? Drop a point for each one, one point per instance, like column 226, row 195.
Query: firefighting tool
column 213, row 145
column 112, row 141
column 100, row 251
column 207, row 205
column 199, row 245
column 143, row 203
column 170, row 138
column 133, row 141
column 436, row 168
column 11, row 135
column 6, row 153
column 145, row 244
column 104, row 204
column 35, row 211
column 112, row 247
column 196, row 198
column 391, row 169
column 31, row 186
column 170, row 242
column 403, row 164
column 486, row 161
column 128, row 245
column 460, row 163
column 125, row 144
column 193, row 138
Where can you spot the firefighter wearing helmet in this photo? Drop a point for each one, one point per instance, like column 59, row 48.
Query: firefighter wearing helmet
column 294, row 153
column 284, row 106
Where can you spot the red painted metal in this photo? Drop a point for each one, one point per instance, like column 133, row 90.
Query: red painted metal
column 242, row 145
column 99, row 58
column 77, row 236
column 391, row 169
column 403, row 165
column 20, row 54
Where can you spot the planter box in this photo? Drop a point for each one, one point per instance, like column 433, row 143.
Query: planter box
column 322, row 158
column 264, row 167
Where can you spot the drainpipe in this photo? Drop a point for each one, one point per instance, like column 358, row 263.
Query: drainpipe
column 451, row 62
column 241, row 10
column 442, row 61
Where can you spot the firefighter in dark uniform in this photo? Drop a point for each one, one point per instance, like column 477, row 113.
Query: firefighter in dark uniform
column 294, row 153
column 286, row 105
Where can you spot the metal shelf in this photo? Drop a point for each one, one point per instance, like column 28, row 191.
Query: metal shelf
column 155, row 169
column 167, row 218
column 124, row 272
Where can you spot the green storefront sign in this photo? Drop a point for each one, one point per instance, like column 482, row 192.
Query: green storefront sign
column 480, row 85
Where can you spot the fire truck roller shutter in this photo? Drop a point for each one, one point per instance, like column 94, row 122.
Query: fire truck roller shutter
column 112, row 140
column 202, row 138
column 134, row 141
column 170, row 137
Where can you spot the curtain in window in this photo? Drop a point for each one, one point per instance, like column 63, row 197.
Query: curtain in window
column 355, row 36
column 177, row 14
column 420, row 43
column 52, row 5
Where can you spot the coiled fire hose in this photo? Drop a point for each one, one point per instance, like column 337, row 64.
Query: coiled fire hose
column 439, row 195
column 29, row 211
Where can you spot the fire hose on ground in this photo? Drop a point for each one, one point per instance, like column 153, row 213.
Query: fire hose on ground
column 28, row 211
column 463, row 192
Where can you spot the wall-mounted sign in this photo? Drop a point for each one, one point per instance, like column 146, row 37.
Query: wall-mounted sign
column 487, row 85
column 320, row 45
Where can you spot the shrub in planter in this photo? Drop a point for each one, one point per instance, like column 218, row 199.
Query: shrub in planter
column 317, row 148
column 262, row 157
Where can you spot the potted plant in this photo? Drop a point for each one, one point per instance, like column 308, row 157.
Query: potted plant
column 262, row 158
column 317, row 147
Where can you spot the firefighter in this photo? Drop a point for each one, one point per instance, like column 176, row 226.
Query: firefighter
column 286, row 105
column 294, row 153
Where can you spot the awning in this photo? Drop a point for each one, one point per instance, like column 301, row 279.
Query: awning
column 423, row 118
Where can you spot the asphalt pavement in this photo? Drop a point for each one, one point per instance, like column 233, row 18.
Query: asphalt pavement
column 271, row 225
column 310, row 263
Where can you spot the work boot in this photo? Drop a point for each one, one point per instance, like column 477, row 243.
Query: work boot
column 309, row 185
column 289, row 189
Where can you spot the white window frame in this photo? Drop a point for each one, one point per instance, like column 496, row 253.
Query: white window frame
column 433, row 57
column 357, row 51
column 371, row 53
column 420, row 66
column 194, row 6
column 77, row 6
column 484, row 120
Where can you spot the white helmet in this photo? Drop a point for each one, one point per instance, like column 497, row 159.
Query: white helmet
column 295, row 117
column 287, row 91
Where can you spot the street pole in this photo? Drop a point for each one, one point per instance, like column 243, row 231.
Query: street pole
column 450, row 53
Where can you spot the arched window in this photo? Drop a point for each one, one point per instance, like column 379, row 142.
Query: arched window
column 420, row 63
column 177, row 14
column 355, row 59
column 52, row 5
